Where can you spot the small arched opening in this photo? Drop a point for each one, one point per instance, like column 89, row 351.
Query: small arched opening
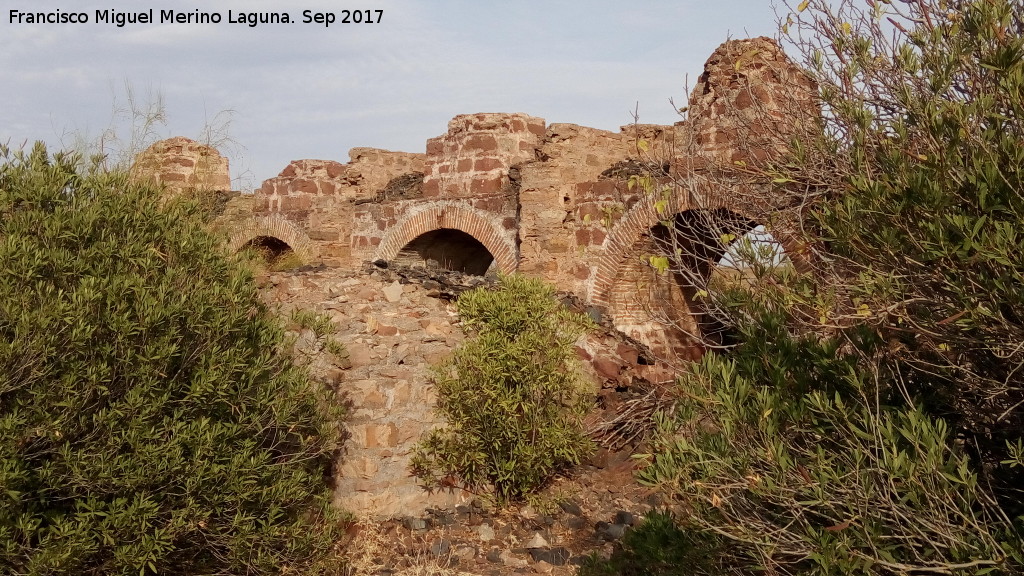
column 275, row 253
column 448, row 249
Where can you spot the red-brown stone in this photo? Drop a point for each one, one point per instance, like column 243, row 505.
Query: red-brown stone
column 486, row 185
column 431, row 188
column 628, row 353
column 335, row 170
column 607, row 368
column 487, row 164
column 482, row 142
column 304, row 186
column 492, row 204
column 292, row 203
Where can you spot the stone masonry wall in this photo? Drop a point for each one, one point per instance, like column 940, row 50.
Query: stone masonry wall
column 469, row 177
column 395, row 328
column 182, row 164
column 747, row 106
column 568, row 206
column 320, row 195
column 473, row 158
column 393, row 333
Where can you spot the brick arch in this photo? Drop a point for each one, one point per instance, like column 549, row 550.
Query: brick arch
column 636, row 223
column 620, row 244
column 480, row 225
column 278, row 227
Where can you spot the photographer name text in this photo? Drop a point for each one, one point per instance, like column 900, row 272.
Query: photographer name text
column 252, row 19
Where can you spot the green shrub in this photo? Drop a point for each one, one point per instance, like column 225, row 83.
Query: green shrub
column 826, row 481
column 511, row 396
column 658, row 546
column 149, row 421
column 869, row 417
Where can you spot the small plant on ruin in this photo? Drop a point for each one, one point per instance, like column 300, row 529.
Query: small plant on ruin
column 150, row 418
column 511, row 395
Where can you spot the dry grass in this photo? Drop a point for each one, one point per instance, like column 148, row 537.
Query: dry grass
column 371, row 551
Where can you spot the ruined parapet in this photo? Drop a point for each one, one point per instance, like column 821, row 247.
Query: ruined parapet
column 296, row 188
column 375, row 169
column 181, row 164
column 303, row 182
column 747, row 107
column 319, row 195
column 475, row 156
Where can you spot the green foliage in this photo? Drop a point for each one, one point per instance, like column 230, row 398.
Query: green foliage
column 660, row 547
column 149, row 421
column 869, row 417
column 819, row 479
column 923, row 206
column 510, row 395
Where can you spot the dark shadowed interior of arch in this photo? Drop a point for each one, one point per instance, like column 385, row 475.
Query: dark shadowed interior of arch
column 658, row 303
column 697, row 242
column 448, row 249
column 275, row 252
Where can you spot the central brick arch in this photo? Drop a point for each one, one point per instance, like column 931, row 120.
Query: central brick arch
column 274, row 226
column 482, row 226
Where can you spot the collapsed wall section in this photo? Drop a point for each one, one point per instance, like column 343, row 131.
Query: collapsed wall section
column 320, row 196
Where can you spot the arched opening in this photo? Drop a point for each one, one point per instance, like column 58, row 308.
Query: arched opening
column 274, row 253
column 448, row 249
column 665, row 293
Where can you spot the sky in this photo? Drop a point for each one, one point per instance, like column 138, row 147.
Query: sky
column 274, row 93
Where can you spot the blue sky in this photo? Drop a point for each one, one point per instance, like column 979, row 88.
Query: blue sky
column 309, row 91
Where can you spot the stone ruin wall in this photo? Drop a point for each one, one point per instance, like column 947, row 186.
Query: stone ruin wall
column 468, row 183
column 552, row 201
column 181, row 164
column 320, row 196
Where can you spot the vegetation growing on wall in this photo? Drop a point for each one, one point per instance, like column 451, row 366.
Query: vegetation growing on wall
column 511, row 396
column 149, row 419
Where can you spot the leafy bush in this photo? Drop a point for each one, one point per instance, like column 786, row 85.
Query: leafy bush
column 869, row 418
column 510, row 395
column 658, row 546
column 149, row 421
column 824, row 481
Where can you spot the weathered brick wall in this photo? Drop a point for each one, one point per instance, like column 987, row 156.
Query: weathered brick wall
column 569, row 205
column 320, row 195
column 748, row 104
column 473, row 158
column 182, row 164
column 468, row 185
